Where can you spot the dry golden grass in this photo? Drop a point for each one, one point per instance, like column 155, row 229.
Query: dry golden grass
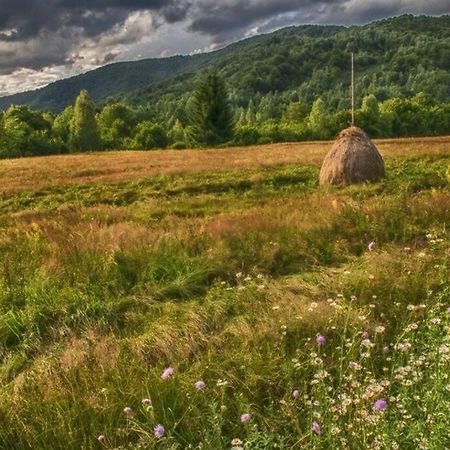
column 37, row 173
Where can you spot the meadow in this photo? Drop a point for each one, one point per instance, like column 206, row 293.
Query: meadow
column 220, row 299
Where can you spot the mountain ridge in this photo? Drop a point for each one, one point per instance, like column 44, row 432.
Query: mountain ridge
column 323, row 47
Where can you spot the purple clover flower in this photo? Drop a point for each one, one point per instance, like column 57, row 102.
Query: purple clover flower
column 167, row 373
column 146, row 402
column 365, row 335
column 316, row 428
column 321, row 340
column 448, row 309
column 295, row 394
column 127, row 411
column 371, row 246
column 159, row 431
column 200, row 385
column 380, row 405
column 101, row 438
column 246, row 417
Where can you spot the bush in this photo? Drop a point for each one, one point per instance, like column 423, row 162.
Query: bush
column 247, row 135
column 149, row 136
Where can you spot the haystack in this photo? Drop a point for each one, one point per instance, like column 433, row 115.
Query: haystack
column 352, row 159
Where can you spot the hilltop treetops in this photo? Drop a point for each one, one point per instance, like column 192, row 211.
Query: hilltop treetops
column 208, row 119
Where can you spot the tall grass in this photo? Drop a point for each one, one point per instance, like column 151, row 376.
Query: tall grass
column 229, row 278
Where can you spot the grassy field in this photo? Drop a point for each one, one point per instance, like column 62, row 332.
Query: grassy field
column 234, row 268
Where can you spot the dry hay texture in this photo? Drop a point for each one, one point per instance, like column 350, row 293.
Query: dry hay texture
column 352, row 159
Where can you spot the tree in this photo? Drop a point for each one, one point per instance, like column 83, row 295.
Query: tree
column 61, row 124
column 369, row 116
column 318, row 120
column 210, row 113
column 149, row 136
column 116, row 123
column 176, row 133
column 84, row 134
column 295, row 113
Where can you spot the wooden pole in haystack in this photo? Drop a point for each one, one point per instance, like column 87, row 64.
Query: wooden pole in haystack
column 353, row 90
column 353, row 158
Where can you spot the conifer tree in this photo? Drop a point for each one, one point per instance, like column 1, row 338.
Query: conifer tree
column 210, row 115
column 84, row 134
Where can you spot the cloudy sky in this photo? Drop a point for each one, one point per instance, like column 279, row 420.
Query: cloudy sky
column 44, row 40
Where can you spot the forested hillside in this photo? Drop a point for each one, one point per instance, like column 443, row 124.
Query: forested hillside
column 291, row 85
column 396, row 57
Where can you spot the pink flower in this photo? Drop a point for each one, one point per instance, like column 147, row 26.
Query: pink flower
column 316, row 428
column 128, row 411
column 365, row 335
column 159, row 431
column 167, row 373
column 245, row 418
column 200, row 385
column 146, row 401
column 295, row 394
column 321, row 340
column 371, row 246
column 380, row 405
column 101, row 438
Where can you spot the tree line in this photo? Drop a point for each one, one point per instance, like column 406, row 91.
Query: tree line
column 208, row 119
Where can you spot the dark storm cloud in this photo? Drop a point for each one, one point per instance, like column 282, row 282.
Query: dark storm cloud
column 76, row 35
column 222, row 18
column 28, row 18
column 226, row 19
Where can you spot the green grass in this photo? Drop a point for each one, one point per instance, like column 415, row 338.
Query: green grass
column 228, row 276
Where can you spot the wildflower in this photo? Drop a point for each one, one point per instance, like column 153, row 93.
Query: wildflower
column 386, row 349
column 371, row 246
column 354, row 365
column 379, row 329
column 295, row 394
column 127, row 411
column 245, row 418
column 316, row 428
column 101, row 438
column 146, row 402
column 321, row 340
column 167, row 373
column 365, row 335
column 380, row 405
column 448, row 310
column 159, row 431
column 200, row 385
column 236, row 441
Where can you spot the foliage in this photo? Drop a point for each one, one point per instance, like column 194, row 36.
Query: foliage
column 150, row 136
column 83, row 128
column 398, row 57
column 210, row 116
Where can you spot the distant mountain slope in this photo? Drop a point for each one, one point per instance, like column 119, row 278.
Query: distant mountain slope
column 395, row 57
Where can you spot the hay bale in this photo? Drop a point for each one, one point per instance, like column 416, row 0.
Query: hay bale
column 352, row 159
